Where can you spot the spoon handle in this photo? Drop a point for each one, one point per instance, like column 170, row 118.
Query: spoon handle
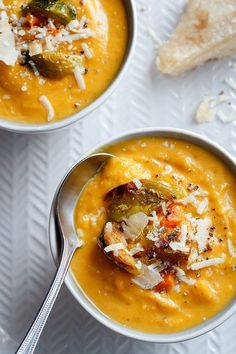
column 31, row 339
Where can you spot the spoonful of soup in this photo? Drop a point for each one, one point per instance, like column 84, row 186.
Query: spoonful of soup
column 145, row 218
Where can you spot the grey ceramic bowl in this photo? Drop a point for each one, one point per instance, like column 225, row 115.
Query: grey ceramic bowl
column 81, row 297
column 49, row 127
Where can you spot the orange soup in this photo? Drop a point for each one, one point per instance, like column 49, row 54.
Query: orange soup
column 158, row 225
column 57, row 59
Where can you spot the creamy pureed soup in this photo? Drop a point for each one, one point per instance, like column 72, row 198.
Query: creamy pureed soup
column 158, row 227
column 57, row 56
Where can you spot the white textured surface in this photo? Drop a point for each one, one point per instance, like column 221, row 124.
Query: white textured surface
column 31, row 167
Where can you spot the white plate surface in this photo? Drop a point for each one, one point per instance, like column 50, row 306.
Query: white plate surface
column 31, row 167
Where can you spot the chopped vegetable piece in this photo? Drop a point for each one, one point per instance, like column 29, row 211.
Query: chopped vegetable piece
column 127, row 199
column 161, row 249
column 61, row 11
column 175, row 215
column 164, row 190
column 167, row 283
column 54, row 64
column 33, row 20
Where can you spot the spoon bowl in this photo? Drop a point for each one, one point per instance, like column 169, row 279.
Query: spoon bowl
column 69, row 192
column 66, row 198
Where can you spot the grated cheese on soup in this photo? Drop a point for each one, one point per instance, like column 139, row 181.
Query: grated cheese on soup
column 48, row 106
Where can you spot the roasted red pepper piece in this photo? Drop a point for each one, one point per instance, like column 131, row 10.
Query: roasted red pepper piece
column 167, row 283
column 175, row 215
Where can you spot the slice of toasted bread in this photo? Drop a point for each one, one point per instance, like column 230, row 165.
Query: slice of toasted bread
column 207, row 30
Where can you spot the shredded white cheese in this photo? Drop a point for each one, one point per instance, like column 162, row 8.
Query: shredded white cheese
column 114, row 247
column 204, row 112
column 34, row 68
column 148, row 279
column 158, row 265
column 35, row 48
column 137, row 183
column 79, row 78
column 202, row 233
column 87, row 51
column 152, row 237
column 51, row 24
column 156, row 162
column 202, row 206
column 83, row 21
column 220, row 99
column 8, row 52
column 231, row 248
column 47, row 105
column 84, row 34
column 139, row 265
column 154, row 218
column 200, row 193
column 73, row 25
column 108, row 227
column 164, row 208
column 193, row 256
column 49, row 45
column 180, row 273
column 226, row 118
column 190, row 199
column 134, row 225
column 207, row 263
column 136, row 249
column 181, row 245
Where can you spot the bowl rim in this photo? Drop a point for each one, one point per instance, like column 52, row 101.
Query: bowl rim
column 18, row 127
column 83, row 299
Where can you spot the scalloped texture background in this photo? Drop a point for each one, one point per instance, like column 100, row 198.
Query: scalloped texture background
column 31, row 167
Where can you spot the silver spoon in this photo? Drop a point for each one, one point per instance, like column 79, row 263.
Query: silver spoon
column 66, row 198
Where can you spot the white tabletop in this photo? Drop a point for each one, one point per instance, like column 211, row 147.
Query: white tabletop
column 31, row 167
